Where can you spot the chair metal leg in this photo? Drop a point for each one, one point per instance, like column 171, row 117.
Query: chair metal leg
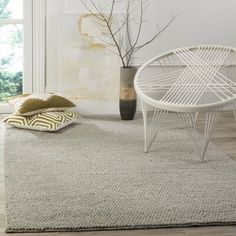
column 189, row 120
column 156, row 123
column 150, row 132
column 144, row 112
column 234, row 110
column 196, row 117
column 211, row 119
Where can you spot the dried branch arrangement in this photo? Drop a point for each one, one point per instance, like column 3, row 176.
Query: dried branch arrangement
column 129, row 44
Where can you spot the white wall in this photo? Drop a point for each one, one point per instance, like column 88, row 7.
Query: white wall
column 199, row 22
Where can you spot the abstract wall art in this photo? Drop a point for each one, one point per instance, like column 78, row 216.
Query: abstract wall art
column 88, row 67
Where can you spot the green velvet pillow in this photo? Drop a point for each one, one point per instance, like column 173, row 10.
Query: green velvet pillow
column 29, row 105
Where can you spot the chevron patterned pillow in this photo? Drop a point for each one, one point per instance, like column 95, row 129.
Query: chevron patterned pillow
column 47, row 121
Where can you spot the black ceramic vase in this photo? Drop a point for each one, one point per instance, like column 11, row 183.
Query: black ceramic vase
column 128, row 99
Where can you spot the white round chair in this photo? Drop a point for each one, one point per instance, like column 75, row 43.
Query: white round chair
column 187, row 80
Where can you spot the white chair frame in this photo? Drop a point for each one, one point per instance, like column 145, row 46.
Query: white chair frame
column 188, row 76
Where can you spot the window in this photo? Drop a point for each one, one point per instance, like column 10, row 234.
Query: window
column 15, row 49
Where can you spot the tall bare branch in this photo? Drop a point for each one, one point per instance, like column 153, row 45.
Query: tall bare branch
column 138, row 34
column 111, row 12
column 156, row 35
column 125, row 54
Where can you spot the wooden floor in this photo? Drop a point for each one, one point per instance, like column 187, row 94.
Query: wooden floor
column 225, row 137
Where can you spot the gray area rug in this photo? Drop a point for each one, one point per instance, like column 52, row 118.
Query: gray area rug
column 94, row 175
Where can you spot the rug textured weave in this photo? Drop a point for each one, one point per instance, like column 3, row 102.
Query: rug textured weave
column 95, row 175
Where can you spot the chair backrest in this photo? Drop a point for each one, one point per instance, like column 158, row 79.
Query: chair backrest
column 190, row 76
